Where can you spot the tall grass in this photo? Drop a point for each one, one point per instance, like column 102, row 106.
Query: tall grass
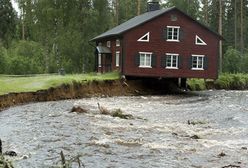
column 232, row 81
column 196, row 84
column 225, row 81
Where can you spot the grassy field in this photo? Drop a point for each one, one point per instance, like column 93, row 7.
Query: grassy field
column 10, row 84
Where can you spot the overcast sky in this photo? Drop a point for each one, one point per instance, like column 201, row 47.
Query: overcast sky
column 15, row 6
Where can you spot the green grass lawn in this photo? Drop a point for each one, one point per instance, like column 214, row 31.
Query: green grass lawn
column 10, row 84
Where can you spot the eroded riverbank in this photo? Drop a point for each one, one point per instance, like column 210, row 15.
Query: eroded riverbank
column 73, row 91
column 160, row 135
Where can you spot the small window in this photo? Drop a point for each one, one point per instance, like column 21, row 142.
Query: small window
column 108, row 44
column 145, row 60
column 99, row 60
column 173, row 33
column 174, row 18
column 197, row 62
column 117, row 58
column 199, row 41
column 118, row 43
column 144, row 38
column 171, row 61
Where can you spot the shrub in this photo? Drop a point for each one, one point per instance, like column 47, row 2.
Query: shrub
column 196, row 84
column 26, row 57
column 3, row 53
column 232, row 81
column 232, row 61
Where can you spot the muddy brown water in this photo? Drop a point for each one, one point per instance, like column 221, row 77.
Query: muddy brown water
column 160, row 135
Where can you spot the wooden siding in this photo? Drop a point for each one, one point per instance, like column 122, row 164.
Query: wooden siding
column 113, row 49
column 159, row 46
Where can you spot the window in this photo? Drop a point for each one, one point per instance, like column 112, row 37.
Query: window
column 117, row 58
column 171, row 61
column 199, row 41
column 118, row 43
column 197, row 62
column 173, row 17
column 173, row 33
column 145, row 59
column 99, row 60
column 144, row 38
column 108, row 44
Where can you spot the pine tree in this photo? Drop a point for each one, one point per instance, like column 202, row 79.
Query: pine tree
column 7, row 22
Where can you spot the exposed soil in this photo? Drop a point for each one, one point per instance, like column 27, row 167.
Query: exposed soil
column 84, row 90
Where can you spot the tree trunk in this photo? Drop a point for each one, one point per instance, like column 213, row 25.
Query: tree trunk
column 138, row 7
column 117, row 12
column 220, row 32
column 235, row 24
column 205, row 11
column 241, row 27
column 23, row 26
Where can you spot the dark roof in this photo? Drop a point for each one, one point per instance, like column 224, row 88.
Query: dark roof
column 138, row 20
column 103, row 50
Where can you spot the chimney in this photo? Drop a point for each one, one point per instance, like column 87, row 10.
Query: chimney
column 152, row 6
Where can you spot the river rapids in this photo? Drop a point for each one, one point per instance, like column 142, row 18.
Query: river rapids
column 200, row 130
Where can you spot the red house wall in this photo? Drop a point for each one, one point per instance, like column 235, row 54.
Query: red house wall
column 159, row 46
column 113, row 49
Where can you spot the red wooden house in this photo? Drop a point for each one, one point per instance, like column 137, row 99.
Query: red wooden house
column 161, row 43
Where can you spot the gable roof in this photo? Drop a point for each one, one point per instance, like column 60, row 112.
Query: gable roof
column 143, row 18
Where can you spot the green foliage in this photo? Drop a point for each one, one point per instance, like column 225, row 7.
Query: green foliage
column 3, row 53
column 226, row 81
column 4, row 163
column 189, row 7
column 119, row 113
column 25, row 57
column 235, row 62
column 7, row 22
column 62, row 30
column 232, row 81
column 232, row 61
column 196, row 84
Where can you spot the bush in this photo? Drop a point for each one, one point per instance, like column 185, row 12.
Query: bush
column 232, row 81
column 3, row 53
column 196, row 84
column 26, row 57
column 232, row 61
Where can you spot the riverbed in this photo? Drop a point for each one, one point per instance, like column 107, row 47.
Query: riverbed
column 199, row 130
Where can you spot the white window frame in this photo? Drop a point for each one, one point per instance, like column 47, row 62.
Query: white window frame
column 117, row 61
column 108, row 44
column 141, row 38
column 117, row 43
column 173, row 30
column 172, row 55
column 197, row 62
column 202, row 42
column 146, row 63
column 99, row 60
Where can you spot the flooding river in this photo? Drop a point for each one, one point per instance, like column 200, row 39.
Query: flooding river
column 164, row 132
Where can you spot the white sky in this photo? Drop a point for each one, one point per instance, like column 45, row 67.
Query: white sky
column 15, row 6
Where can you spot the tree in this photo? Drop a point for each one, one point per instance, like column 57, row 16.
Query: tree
column 3, row 53
column 205, row 13
column 232, row 61
column 7, row 22
column 191, row 7
column 241, row 26
column 220, row 32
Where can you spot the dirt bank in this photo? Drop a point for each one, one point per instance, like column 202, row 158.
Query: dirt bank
column 75, row 91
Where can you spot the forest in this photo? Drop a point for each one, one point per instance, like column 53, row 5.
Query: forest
column 45, row 36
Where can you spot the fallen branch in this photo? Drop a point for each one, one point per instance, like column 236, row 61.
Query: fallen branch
column 231, row 166
column 63, row 159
